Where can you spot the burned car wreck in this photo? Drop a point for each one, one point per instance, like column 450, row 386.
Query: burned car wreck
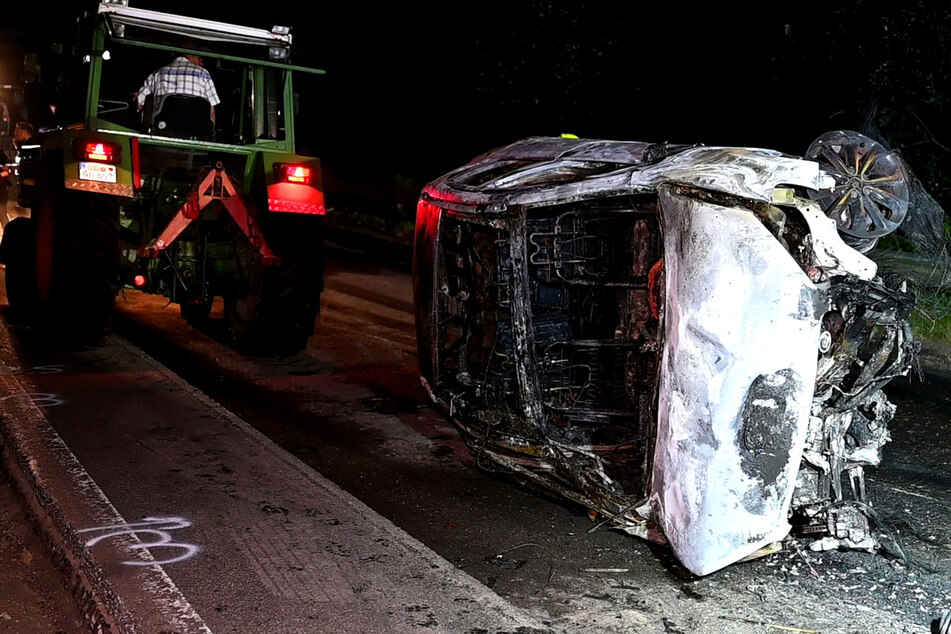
column 689, row 340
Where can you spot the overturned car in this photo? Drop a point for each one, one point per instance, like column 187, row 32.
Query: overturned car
column 688, row 340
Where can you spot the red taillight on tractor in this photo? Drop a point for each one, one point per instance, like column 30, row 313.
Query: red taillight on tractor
column 99, row 151
column 139, row 280
column 296, row 189
column 299, row 174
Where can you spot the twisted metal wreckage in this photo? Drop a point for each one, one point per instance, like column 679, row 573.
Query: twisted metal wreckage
column 688, row 340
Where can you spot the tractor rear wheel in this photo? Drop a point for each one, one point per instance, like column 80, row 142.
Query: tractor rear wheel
column 85, row 271
column 272, row 317
column 274, row 308
column 18, row 254
column 196, row 313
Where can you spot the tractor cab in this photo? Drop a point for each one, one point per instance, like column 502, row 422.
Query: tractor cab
column 250, row 70
column 196, row 194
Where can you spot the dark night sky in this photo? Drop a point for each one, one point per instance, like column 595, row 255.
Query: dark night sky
column 414, row 92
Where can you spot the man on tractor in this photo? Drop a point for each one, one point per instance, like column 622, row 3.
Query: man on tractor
column 181, row 97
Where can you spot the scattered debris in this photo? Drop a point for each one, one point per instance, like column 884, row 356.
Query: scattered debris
column 768, row 549
column 510, row 563
column 506, row 563
column 670, row 627
column 942, row 625
column 785, row 628
column 689, row 592
column 756, row 592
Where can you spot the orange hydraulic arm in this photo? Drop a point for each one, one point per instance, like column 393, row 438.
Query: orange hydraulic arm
column 217, row 185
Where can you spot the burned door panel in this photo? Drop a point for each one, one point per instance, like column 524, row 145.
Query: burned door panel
column 547, row 343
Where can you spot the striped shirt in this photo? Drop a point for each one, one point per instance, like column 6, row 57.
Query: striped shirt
column 181, row 77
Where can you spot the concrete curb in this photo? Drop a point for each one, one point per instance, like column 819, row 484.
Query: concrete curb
column 61, row 497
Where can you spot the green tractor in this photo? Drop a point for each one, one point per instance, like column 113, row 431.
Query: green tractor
column 180, row 198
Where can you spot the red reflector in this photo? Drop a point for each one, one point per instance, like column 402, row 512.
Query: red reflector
column 295, row 198
column 136, row 168
column 297, row 174
column 294, row 207
column 139, row 280
column 100, row 152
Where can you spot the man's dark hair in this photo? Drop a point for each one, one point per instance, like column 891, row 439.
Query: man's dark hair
column 24, row 125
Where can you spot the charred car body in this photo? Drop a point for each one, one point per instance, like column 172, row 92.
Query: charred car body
column 688, row 340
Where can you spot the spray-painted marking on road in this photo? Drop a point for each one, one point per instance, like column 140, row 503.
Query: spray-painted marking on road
column 154, row 526
column 53, row 368
column 40, row 399
column 48, row 369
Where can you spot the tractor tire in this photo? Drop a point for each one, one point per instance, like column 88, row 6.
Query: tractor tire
column 276, row 308
column 77, row 268
column 274, row 317
column 18, row 254
column 86, row 270
column 197, row 313
column 77, row 257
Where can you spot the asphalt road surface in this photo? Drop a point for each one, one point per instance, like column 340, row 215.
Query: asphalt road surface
column 351, row 407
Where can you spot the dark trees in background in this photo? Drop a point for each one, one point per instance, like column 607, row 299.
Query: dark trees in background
column 423, row 93
column 412, row 91
column 886, row 70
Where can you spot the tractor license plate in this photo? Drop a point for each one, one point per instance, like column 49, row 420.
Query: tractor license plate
column 97, row 172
